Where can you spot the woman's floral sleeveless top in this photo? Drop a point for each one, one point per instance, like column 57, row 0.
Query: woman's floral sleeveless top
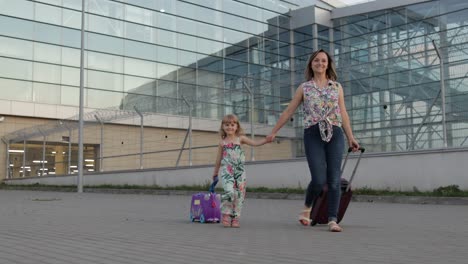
column 321, row 107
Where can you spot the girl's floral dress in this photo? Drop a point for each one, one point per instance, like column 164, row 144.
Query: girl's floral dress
column 233, row 178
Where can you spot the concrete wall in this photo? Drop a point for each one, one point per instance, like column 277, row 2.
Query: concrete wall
column 161, row 133
column 397, row 171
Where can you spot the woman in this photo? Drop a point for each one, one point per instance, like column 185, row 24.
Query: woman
column 324, row 117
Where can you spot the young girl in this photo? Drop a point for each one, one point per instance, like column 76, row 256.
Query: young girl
column 230, row 167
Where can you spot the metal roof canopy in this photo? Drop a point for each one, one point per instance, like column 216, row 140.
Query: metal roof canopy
column 104, row 116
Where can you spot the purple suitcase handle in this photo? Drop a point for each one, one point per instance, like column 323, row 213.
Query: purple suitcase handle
column 213, row 185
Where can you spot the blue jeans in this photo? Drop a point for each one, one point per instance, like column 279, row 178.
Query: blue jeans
column 324, row 160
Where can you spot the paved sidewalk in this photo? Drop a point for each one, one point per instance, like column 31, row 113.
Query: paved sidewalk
column 55, row 227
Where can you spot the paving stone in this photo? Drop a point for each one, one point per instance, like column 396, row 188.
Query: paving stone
column 102, row 228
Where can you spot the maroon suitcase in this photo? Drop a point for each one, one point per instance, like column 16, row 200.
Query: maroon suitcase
column 319, row 212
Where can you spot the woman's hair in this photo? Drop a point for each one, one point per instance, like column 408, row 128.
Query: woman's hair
column 330, row 72
column 228, row 119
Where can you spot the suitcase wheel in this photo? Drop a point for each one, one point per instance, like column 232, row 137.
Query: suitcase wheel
column 202, row 218
column 312, row 223
column 192, row 219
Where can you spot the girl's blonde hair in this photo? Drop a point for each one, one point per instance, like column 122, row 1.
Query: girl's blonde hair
column 330, row 72
column 228, row 119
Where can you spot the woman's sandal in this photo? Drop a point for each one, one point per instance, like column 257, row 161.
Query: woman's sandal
column 305, row 220
column 334, row 227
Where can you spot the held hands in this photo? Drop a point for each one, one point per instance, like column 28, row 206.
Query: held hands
column 270, row 138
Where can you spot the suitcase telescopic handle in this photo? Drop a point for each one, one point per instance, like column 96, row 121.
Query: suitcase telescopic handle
column 213, row 185
column 361, row 149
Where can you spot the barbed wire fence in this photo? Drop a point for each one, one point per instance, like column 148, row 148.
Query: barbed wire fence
column 133, row 138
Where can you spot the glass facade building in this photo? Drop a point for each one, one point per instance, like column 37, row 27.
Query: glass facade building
column 389, row 64
column 149, row 52
column 219, row 55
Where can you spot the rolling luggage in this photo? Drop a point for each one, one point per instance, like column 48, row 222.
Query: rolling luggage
column 206, row 207
column 319, row 212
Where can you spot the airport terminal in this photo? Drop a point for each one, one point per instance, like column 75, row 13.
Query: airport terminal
column 160, row 75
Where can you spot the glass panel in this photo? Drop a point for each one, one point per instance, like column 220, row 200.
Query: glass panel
column 167, row 55
column 105, row 62
column 103, row 99
column 209, row 31
column 186, row 42
column 151, row 4
column 186, row 26
column 105, row 81
column 140, row 68
column 71, row 95
column 138, row 15
column 139, row 32
column 71, row 38
column 15, row 90
column 71, row 18
column 167, row 89
column 188, row 91
column 47, row 33
column 46, row 93
column 166, row 38
column 209, row 47
column 237, row 52
column 48, row 14
column 188, row 59
column 187, row 75
column 22, row 9
column 211, row 63
column 139, row 85
column 235, row 37
column 47, row 53
column 140, row 50
column 236, row 67
column 46, row 73
column 52, row 2
column 73, row 4
column 70, row 76
column 16, row 48
column 166, row 6
column 15, row 69
column 106, row 8
column 167, row 72
column 105, row 25
column 165, row 21
column 212, row 79
column 16, row 27
column 105, row 44
column 70, row 57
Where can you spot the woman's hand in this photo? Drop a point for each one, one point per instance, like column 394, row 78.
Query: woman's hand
column 353, row 144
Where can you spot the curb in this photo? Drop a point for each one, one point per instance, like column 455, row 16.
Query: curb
column 279, row 196
column 412, row 199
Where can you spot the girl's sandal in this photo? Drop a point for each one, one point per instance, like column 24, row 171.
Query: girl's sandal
column 235, row 223
column 305, row 220
column 334, row 227
column 226, row 220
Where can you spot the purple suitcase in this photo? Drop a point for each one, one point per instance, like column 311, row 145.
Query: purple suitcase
column 319, row 212
column 206, row 207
